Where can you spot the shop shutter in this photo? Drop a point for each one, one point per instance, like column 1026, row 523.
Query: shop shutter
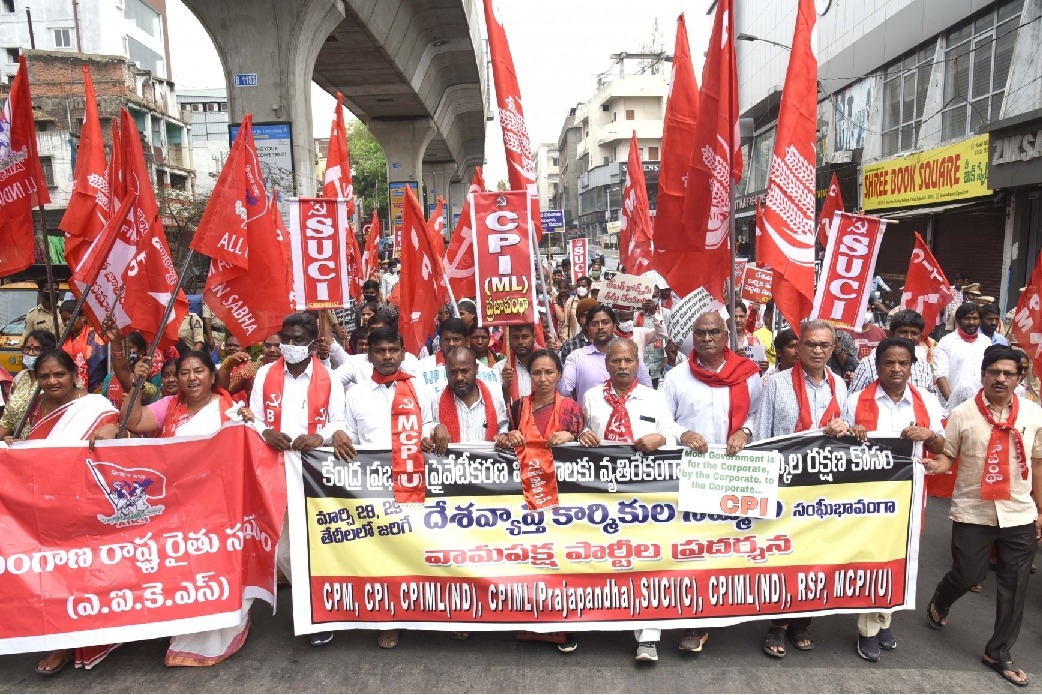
column 971, row 243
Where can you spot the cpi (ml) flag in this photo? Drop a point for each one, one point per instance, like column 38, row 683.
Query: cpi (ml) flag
column 421, row 277
column 22, row 183
column 787, row 225
column 926, row 289
column 678, row 132
column 506, row 291
column 459, row 259
column 848, row 269
column 635, row 244
column 245, row 288
column 715, row 165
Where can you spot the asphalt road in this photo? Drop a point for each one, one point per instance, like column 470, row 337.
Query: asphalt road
column 273, row 660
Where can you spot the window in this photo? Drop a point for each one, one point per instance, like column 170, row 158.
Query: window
column 11, row 55
column 978, row 61
column 554, row 162
column 630, row 114
column 653, row 153
column 62, row 38
column 144, row 17
column 8, row 5
column 47, row 163
column 905, row 84
column 145, row 57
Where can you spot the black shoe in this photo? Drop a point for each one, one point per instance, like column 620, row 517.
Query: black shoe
column 320, row 639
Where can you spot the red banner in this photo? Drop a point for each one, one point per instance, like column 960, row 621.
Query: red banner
column 926, row 289
column 137, row 539
column 1027, row 321
column 578, row 251
column 459, row 259
column 739, row 274
column 321, row 274
column 756, row 284
column 848, row 269
column 503, row 258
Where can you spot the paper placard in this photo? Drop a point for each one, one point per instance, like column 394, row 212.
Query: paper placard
column 626, row 290
column 745, row 484
column 690, row 308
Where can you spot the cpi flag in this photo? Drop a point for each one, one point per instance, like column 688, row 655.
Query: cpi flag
column 321, row 274
column 145, row 539
column 926, row 289
column 502, row 222
column 848, row 269
column 422, row 277
column 22, row 183
column 1027, row 322
column 459, row 259
column 635, row 244
column 578, row 252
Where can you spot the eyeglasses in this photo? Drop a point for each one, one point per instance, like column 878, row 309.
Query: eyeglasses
column 711, row 332
column 996, row 373
column 816, row 346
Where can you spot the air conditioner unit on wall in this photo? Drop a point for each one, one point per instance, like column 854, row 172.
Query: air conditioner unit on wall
column 842, row 157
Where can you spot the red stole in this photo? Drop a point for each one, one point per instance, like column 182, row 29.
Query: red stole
column 734, row 375
column 966, row 336
column 619, row 427
column 115, row 392
column 449, row 416
column 803, row 423
column 995, row 479
column 867, row 412
column 80, row 350
column 318, row 395
column 408, row 464
column 177, row 412
column 538, row 475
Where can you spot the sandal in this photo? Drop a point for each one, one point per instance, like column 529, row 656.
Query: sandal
column 942, row 616
column 774, row 642
column 976, row 588
column 1006, row 669
column 388, row 639
column 798, row 635
column 66, row 659
column 693, row 640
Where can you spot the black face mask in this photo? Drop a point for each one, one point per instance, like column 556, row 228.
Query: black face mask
column 133, row 358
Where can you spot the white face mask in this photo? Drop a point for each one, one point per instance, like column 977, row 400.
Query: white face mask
column 29, row 361
column 581, row 292
column 625, row 326
column 295, row 354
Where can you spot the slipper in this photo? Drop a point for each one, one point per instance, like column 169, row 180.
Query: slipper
column 1005, row 669
column 693, row 640
column 800, row 634
column 931, row 608
column 388, row 639
column 65, row 661
column 976, row 588
column 775, row 638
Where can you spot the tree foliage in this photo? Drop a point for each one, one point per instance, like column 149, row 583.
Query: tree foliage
column 369, row 169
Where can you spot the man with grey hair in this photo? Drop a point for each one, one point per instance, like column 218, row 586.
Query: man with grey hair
column 808, row 396
column 624, row 411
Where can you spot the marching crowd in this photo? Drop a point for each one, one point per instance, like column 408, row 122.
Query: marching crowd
column 586, row 373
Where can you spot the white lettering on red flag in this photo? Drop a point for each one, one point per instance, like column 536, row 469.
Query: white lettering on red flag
column 848, row 269
column 577, row 251
column 318, row 228
column 926, row 289
column 504, row 270
column 1027, row 321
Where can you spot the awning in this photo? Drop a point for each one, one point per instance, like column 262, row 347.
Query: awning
column 929, row 210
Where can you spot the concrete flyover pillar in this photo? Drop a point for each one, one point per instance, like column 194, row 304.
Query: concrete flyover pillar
column 438, row 176
column 404, row 142
column 279, row 41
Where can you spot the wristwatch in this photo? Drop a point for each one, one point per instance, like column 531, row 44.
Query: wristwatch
column 748, row 432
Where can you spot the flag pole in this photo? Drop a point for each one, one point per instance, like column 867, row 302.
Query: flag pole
column 65, row 336
column 730, row 280
column 452, row 296
column 136, row 391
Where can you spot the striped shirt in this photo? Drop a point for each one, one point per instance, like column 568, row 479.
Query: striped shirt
column 780, row 410
column 472, row 421
column 922, row 374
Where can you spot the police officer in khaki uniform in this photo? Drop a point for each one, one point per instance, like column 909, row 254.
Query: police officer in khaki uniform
column 41, row 317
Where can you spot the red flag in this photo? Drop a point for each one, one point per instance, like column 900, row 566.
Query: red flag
column 635, row 244
column 715, row 165
column 88, row 208
column 833, row 204
column 847, row 271
column 678, row 132
column 149, row 274
column 114, row 173
column 436, row 229
column 371, row 256
column 520, row 167
column 95, row 256
column 926, row 289
column 22, row 184
column 459, row 259
column 421, row 276
column 285, row 248
column 787, row 227
column 239, row 235
column 337, row 182
column 1027, row 321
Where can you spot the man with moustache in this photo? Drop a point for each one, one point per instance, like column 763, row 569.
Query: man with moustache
column 957, row 357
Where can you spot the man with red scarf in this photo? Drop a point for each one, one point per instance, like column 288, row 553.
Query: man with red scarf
column 892, row 404
column 997, row 437
column 714, row 400
column 513, row 371
column 467, row 411
column 807, row 397
column 957, row 356
column 624, row 411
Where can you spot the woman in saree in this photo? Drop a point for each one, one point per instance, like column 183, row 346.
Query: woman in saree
column 199, row 408
column 64, row 412
column 24, row 384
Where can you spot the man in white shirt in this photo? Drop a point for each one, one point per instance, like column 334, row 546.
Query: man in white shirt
column 958, row 355
column 622, row 410
column 298, row 406
column 452, row 333
column 358, row 368
column 467, row 411
column 513, row 371
column 389, row 279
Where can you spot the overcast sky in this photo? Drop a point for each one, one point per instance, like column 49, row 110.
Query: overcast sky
column 559, row 48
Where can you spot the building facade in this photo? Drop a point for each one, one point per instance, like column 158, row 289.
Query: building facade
column 928, row 114
column 566, row 197
column 547, row 173
column 206, row 112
